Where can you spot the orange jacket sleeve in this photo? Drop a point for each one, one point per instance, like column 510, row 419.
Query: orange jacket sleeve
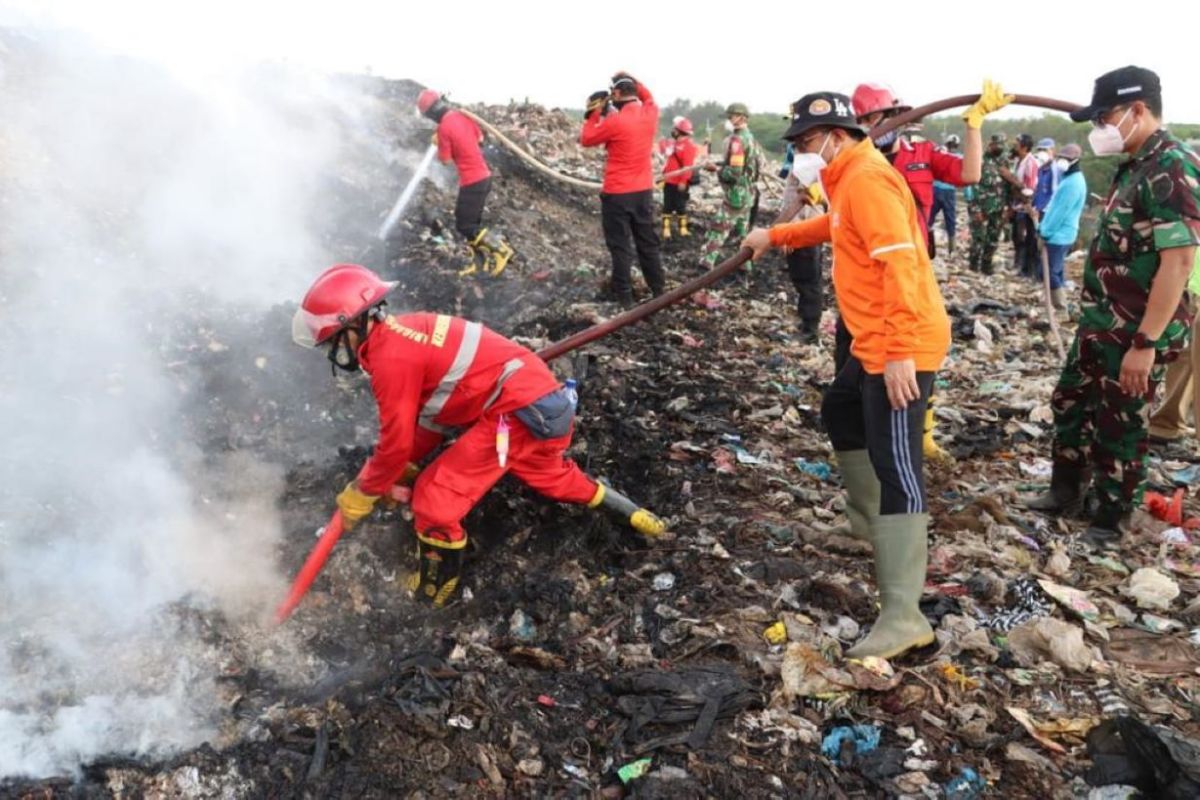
column 802, row 233
column 883, row 218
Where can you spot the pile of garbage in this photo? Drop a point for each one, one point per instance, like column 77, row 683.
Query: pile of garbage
column 585, row 661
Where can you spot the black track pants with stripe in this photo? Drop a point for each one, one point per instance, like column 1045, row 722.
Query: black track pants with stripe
column 858, row 416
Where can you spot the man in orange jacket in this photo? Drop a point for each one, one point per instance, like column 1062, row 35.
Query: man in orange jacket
column 888, row 296
column 433, row 374
column 625, row 121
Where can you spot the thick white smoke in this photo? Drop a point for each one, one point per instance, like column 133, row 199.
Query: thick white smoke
column 127, row 199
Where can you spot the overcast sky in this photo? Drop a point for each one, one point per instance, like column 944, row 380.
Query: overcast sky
column 765, row 54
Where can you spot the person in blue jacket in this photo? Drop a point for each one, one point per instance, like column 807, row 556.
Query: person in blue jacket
column 1059, row 227
column 1049, row 174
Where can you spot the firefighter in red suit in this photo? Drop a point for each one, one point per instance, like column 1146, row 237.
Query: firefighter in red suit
column 433, row 374
column 624, row 120
column 681, row 153
column 458, row 138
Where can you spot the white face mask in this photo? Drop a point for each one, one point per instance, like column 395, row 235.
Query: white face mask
column 807, row 168
column 1042, row 157
column 729, row 125
column 1107, row 140
column 821, row 150
column 1062, row 164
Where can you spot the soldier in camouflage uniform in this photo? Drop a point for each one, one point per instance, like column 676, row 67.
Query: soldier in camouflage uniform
column 1134, row 318
column 986, row 207
column 738, row 174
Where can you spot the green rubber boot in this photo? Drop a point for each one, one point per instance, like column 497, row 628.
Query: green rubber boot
column 901, row 557
column 862, row 492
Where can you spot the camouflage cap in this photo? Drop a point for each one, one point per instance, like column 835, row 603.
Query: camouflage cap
column 999, row 138
column 737, row 108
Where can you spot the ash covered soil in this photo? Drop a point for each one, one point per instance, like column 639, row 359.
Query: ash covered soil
column 580, row 647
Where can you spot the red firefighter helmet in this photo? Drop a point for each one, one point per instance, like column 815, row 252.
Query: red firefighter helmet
column 871, row 97
column 426, row 100
column 336, row 298
column 683, row 125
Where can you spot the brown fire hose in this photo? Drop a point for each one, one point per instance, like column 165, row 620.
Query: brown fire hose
column 527, row 157
column 965, row 100
column 640, row 312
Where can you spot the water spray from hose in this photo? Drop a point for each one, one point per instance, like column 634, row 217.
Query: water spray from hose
column 406, row 196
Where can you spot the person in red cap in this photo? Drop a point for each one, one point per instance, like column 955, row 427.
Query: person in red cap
column 435, row 377
column 624, row 120
column 921, row 163
column 458, row 138
column 681, row 154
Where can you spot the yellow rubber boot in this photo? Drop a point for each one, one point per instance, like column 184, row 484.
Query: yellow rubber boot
column 683, row 229
column 901, row 558
column 641, row 520
column 499, row 252
column 929, row 446
column 479, row 256
column 439, row 567
column 666, row 234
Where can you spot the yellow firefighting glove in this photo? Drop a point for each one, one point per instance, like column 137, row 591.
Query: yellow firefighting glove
column 815, row 196
column 991, row 99
column 354, row 504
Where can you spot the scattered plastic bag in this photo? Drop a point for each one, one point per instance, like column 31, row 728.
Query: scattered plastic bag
column 818, row 469
column 967, row 786
column 865, row 738
column 1151, row 589
column 1074, row 600
column 634, row 770
column 1053, row 639
column 1126, row 751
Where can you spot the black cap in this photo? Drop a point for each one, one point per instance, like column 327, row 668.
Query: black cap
column 1025, row 140
column 821, row 109
column 1117, row 88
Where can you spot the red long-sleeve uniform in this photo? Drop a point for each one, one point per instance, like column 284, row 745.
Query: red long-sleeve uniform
column 458, row 138
column 680, row 154
column 921, row 163
column 432, row 373
column 628, row 135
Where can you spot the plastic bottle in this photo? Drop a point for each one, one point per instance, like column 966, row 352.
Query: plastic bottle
column 572, row 393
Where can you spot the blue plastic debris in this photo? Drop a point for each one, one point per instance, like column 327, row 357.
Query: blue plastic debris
column 1186, row 476
column 967, row 786
column 818, row 469
column 865, row 738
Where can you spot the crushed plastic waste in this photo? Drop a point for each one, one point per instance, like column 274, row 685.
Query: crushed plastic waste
column 846, row 741
column 966, row 786
column 634, row 769
column 1045, row 638
column 1151, row 589
column 818, row 469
